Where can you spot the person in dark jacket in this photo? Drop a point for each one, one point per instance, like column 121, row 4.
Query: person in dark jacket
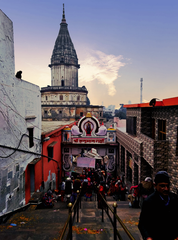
column 158, row 217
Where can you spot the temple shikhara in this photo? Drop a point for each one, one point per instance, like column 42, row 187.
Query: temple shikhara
column 64, row 99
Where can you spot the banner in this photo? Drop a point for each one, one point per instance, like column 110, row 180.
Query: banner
column 86, row 162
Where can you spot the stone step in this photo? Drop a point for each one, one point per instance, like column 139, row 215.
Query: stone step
column 90, row 225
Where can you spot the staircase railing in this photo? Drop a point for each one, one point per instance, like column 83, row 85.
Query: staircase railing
column 114, row 219
column 73, row 210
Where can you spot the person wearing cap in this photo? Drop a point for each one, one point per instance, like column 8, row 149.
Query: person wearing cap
column 158, row 217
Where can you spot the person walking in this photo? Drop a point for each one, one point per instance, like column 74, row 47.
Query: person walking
column 158, row 217
column 145, row 188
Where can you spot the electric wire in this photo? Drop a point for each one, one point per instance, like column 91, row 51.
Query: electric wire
column 21, row 150
column 15, row 148
column 15, row 108
column 13, row 130
column 8, row 96
column 17, row 127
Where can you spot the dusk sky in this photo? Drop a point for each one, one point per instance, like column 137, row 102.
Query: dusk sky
column 117, row 43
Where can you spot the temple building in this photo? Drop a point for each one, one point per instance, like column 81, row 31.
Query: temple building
column 89, row 144
column 64, row 99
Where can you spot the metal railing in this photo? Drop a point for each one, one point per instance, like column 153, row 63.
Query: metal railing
column 114, row 218
column 73, row 210
column 107, row 208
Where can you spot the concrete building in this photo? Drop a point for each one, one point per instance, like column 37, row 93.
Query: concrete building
column 20, row 126
column 150, row 141
column 64, row 99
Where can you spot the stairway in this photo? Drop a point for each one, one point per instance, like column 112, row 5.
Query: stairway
column 90, row 225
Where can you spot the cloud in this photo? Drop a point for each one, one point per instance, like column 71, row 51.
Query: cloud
column 102, row 67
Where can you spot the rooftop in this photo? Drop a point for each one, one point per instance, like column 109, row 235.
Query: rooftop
column 165, row 102
column 50, row 126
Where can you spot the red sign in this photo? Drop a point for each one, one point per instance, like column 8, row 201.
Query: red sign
column 88, row 140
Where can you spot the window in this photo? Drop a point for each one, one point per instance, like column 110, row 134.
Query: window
column 78, row 98
column 9, row 175
column 81, row 114
column 45, row 112
column 50, row 153
column 46, row 98
column 60, row 112
column 62, row 83
column 17, row 168
column 30, row 133
column 61, row 97
column 161, row 129
column 67, row 97
column 131, row 124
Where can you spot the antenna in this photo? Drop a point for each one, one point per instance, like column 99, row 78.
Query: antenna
column 141, row 80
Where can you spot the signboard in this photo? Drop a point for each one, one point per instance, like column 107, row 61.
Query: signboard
column 84, row 140
column 86, row 162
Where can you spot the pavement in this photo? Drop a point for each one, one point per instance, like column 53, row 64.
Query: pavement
column 36, row 223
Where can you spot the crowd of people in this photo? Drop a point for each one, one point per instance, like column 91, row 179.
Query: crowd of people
column 90, row 180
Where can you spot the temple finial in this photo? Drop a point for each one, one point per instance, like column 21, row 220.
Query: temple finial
column 63, row 16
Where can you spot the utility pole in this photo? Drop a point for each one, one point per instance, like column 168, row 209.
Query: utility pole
column 141, row 80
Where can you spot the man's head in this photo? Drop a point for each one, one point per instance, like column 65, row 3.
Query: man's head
column 162, row 183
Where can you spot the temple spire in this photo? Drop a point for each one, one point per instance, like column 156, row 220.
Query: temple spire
column 63, row 16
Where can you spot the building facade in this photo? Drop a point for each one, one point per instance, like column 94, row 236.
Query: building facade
column 64, row 99
column 50, row 173
column 20, row 126
column 88, row 143
column 150, row 141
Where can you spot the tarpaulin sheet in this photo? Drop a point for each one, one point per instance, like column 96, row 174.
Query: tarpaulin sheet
column 86, row 162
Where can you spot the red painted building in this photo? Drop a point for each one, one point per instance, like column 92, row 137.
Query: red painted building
column 46, row 171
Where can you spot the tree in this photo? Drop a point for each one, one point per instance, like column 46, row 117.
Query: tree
column 121, row 115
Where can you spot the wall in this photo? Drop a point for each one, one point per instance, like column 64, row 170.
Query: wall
column 170, row 114
column 68, row 98
column 68, row 73
column 159, row 155
column 60, row 112
column 20, row 108
column 50, row 168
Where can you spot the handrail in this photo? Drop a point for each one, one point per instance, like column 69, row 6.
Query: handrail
column 72, row 208
column 119, row 220
column 65, row 227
